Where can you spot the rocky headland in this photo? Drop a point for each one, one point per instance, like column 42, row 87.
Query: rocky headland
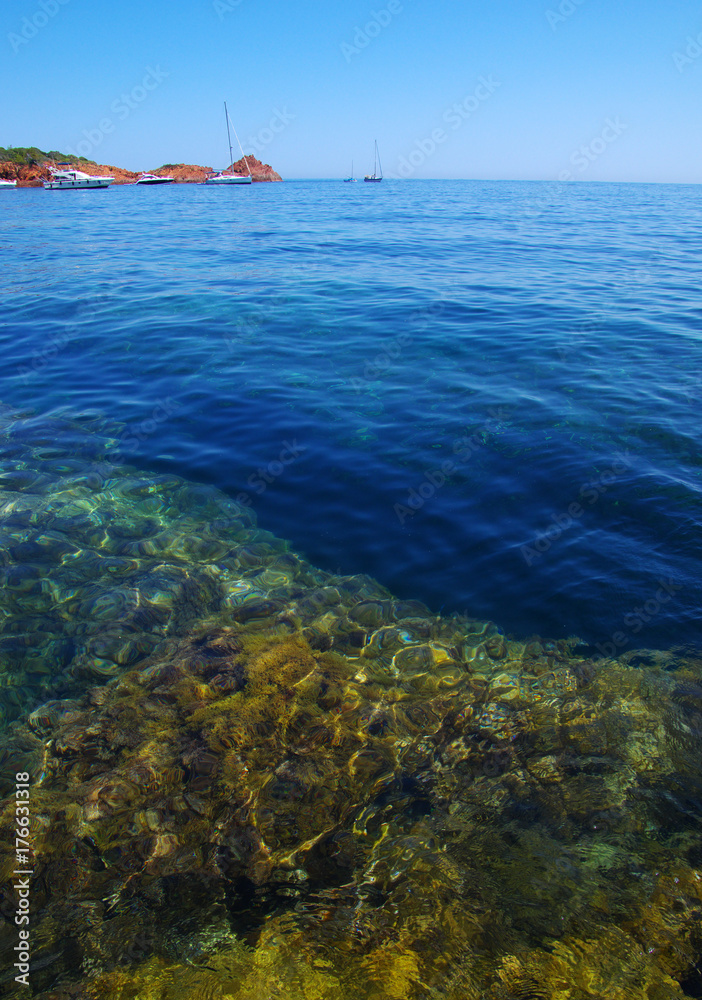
column 32, row 174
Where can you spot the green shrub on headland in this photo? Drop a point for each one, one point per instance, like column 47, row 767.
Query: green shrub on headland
column 24, row 155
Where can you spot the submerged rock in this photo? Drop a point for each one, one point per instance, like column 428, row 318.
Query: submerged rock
column 365, row 836
column 250, row 778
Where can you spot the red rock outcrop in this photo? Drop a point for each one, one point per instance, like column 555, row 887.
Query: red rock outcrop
column 184, row 173
column 259, row 171
column 191, row 173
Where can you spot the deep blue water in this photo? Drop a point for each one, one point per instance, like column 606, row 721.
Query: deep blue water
column 430, row 375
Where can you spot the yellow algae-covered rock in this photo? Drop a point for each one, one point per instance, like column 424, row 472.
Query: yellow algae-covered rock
column 397, row 836
column 610, row 967
column 235, row 972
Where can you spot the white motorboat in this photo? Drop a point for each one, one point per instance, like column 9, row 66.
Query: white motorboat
column 227, row 176
column 71, row 179
column 154, row 179
column 8, row 184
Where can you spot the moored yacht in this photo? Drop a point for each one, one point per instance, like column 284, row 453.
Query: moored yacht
column 374, row 178
column 154, row 179
column 226, row 176
column 74, row 179
column 7, row 184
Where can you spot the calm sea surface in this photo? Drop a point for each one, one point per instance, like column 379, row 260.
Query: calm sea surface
column 485, row 395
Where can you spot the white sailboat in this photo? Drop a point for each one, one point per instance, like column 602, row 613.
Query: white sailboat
column 373, row 178
column 226, row 176
column 351, row 179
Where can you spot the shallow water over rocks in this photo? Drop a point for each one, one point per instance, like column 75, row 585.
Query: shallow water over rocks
column 252, row 778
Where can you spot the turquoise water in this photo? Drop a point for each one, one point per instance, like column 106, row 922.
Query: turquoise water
column 412, row 380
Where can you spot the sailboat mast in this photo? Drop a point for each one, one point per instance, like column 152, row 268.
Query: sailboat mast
column 231, row 155
column 241, row 149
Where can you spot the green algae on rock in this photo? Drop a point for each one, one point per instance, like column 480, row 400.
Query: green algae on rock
column 100, row 562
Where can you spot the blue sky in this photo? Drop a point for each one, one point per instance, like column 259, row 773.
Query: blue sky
column 507, row 89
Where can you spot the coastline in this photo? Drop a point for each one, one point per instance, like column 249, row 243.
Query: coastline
column 33, row 175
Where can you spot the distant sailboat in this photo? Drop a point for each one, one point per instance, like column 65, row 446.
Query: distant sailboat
column 227, row 176
column 351, row 179
column 373, row 178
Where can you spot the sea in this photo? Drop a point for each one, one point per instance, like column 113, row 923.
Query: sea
column 350, row 577
column 485, row 395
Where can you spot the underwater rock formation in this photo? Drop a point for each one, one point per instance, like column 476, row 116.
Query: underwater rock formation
column 301, row 787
